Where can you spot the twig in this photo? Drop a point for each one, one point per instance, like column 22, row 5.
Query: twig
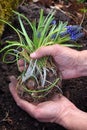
column 82, row 19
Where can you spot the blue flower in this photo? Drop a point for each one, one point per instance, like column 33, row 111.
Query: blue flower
column 53, row 22
column 73, row 28
column 77, row 36
column 39, row 35
column 74, row 31
column 53, row 36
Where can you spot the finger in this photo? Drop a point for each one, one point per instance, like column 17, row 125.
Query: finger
column 13, row 80
column 26, row 106
column 21, row 65
column 20, row 62
column 21, row 68
column 45, row 51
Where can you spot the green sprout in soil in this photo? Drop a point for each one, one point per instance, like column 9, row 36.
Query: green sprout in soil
column 44, row 33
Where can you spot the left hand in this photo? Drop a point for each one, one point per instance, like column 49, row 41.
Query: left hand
column 55, row 110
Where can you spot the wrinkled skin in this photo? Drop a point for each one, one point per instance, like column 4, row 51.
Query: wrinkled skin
column 61, row 111
column 64, row 57
column 58, row 106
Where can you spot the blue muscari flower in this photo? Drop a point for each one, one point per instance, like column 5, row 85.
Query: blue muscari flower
column 74, row 31
column 53, row 36
column 74, row 28
column 77, row 36
column 53, row 22
column 39, row 35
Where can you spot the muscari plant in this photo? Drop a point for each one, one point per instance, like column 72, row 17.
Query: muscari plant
column 44, row 33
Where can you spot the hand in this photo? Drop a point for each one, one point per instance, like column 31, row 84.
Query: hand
column 66, row 59
column 59, row 107
column 61, row 111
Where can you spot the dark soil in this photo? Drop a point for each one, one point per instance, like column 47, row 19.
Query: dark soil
column 11, row 116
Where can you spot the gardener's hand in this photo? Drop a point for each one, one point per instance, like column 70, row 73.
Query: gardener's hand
column 55, row 110
column 59, row 110
column 66, row 59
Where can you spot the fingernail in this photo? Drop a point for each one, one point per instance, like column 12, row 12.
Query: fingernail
column 33, row 55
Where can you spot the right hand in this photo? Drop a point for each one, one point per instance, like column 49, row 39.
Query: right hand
column 65, row 58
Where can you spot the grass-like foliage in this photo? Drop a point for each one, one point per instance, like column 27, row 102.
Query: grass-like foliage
column 44, row 33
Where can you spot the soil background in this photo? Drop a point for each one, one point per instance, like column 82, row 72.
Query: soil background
column 11, row 116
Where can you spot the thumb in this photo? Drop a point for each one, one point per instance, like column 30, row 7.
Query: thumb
column 45, row 51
